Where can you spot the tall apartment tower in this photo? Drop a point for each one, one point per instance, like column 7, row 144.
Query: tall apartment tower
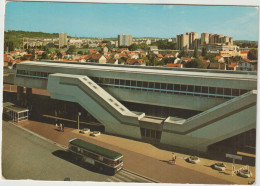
column 192, row 37
column 231, row 41
column 204, row 38
column 63, row 40
column 183, row 41
column 125, row 40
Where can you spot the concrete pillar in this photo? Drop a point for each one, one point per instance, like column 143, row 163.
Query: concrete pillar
column 19, row 95
column 28, row 96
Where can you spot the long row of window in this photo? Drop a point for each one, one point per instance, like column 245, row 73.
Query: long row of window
column 32, row 74
column 169, row 88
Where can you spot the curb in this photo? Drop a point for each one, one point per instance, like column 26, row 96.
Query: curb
column 155, row 181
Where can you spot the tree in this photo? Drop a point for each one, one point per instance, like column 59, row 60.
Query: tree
column 151, row 60
column 204, row 51
column 59, row 55
column 252, row 54
column 211, row 58
column 236, row 58
column 57, row 51
column 71, row 50
column 133, row 47
column 183, row 53
column 143, row 45
column 168, row 60
column 195, row 63
column 80, row 52
column 45, row 55
column 195, row 54
column 47, row 49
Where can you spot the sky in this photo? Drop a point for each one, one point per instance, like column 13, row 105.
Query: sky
column 109, row 20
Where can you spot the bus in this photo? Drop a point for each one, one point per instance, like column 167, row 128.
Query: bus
column 104, row 159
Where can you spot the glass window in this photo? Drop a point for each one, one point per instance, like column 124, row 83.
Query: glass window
column 212, row 90
column 122, row 82
column 127, row 83
column 190, row 88
column 153, row 133
column 142, row 131
column 117, row 81
column 163, row 86
column 170, row 87
column 177, row 87
column 158, row 134
column 145, row 84
column 204, row 89
column 111, row 81
column 157, row 85
column 101, row 80
column 243, row 92
column 151, row 84
column 220, row 91
column 106, row 80
column 227, row 91
column 133, row 83
column 139, row 83
column 235, row 92
column 197, row 89
column 148, row 132
column 183, row 87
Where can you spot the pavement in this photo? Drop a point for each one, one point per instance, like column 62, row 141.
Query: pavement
column 145, row 159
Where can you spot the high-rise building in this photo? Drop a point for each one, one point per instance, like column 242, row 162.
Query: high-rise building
column 192, row 37
column 63, row 40
column 125, row 40
column 204, row 38
column 183, row 41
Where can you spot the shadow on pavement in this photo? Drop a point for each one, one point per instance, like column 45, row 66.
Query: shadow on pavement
column 67, row 156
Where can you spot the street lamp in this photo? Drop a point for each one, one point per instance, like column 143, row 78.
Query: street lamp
column 79, row 114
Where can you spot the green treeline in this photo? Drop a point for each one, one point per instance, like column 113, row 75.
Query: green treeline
column 14, row 39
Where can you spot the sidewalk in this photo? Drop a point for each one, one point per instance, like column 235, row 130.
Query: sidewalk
column 145, row 159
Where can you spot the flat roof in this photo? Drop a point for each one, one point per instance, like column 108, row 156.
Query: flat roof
column 96, row 149
column 12, row 107
column 148, row 70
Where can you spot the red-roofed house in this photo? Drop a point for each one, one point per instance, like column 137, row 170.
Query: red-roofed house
column 98, row 58
column 185, row 59
column 220, row 59
column 169, row 55
column 160, row 56
column 174, row 65
column 122, row 49
column 135, row 62
column 243, row 54
column 233, row 66
column 92, row 51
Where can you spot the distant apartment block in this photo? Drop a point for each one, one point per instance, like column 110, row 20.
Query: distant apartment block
column 125, row 40
column 63, row 39
column 191, row 40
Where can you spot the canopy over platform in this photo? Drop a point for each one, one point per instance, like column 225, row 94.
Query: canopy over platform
column 14, row 113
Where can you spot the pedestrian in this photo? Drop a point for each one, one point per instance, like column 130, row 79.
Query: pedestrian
column 175, row 157
column 60, row 127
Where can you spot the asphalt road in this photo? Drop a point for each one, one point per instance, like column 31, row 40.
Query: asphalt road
column 26, row 156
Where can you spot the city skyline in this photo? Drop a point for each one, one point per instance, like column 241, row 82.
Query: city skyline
column 109, row 20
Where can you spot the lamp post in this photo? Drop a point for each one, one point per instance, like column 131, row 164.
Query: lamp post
column 79, row 114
